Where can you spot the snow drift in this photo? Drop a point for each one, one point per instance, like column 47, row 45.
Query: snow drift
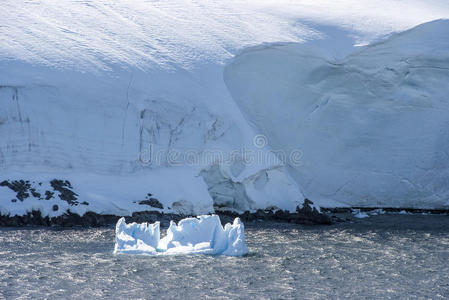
column 373, row 126
column 201, row 235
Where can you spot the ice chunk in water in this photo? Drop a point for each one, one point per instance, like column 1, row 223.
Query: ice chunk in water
column 203, row 234
column 136, row 238
column 361, row 215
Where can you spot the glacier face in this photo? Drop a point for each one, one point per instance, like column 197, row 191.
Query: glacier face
column 127, row 98
column 158, row 126
column 373, row 126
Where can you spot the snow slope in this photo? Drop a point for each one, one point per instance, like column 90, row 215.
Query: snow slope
column 101, row 93
column 373, row 126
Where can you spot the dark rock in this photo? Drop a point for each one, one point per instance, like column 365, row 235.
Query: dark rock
column 84, row 203
column 260, row 214
column 34, row 193
column 145, row 216
column 153, row 202
column 65, row 191
column 21, row 188
column 336, row 219
column 310, row 215
column 48, row 195
column 247, row 216
column 271, row 209
column 307, row 207
column 304, row 215
column 282, row 215
column 89, row 219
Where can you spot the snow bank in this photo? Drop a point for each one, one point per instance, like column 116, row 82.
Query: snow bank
column 201, row 235
column 174, row 190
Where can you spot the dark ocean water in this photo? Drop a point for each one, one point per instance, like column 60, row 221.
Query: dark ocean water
column 398, row 256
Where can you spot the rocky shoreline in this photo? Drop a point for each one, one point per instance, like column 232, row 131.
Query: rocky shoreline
column 306, row 215
column 61, row 192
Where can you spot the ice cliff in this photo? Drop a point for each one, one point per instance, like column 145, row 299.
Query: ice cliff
column 373, row 125
column 122, row 107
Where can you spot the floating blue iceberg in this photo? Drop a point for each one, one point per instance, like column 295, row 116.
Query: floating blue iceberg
column 200, row 235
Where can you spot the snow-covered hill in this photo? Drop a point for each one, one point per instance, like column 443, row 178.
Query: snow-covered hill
column 127, row 98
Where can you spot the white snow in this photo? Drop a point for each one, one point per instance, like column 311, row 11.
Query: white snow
column 94, row 34
column 200, row 235
column 371, row 125
column 114, row 194
column 87, row 86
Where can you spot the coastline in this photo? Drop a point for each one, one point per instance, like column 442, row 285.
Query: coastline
column 304, row 216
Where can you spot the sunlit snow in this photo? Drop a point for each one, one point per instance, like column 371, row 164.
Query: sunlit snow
column 201, row 235
column 89, row 88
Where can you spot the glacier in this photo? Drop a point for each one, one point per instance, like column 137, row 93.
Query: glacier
column 128, row 102
column 201, row 235
column 372, row 125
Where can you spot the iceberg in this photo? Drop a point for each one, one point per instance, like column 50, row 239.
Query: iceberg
column 361, row 215
column 200, row 235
